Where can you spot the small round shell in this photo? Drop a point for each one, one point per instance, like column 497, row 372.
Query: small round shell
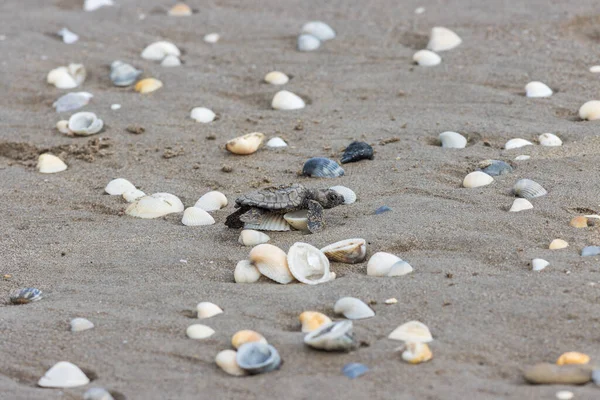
column 427, row 58
column 477, row 179
column 442, row 39
column 180, row 10
column 123, row 74
column 590, row 110
column 212, row 201
column 347, row 193
column 353, row 308
column 199, row 331
column 85, row 123
column 250, row 237
column 202, row 114
column 276, row 78
column 319, row 167
column 549, row 140
column 245, row 272
column 334, row 336
column 194, row 216
column 308, row 264
column 297, row 219
column 246, row 336
column 319, row 29
column 272, row 262
column 118, row 186
column 308, row 42
column 413, row 331
column 286, row 100
column 516, row 143
column 528, row 189
column 207, row 309
column 246, row 144
column 50, row 164
column 349, row 251
column 226, row 360
column 157, row 51
column 452, row 140
column 257, row 358
column 537, row 89
column 26, row 295
column 312, row 320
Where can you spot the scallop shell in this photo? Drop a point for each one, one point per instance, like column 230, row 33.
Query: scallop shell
column 194, row 216
column 347, row 193
column 81, row 324
column 520, row 205
column 353, row 308
column 416, row 353
column 202, row 114
column 123, row 74
column 85, row 123
column 132, row 195
column 537, row 89
column 26, row 295
column 276, row 143
column 246, row 336
column 495, row 167
column 93, row 5
column 118, row 187
column 245, row 272
column 357, row 151
column 199, row 331
column 413, row 331
column 207, row 309
column 349, row 251
column 557, row 244
column 590, row 110
column 157, row 51
column 427, row 58
column 573, row 357
column 538, row 264
column 250, row 237
column 550, row 140
column 272, row 262
column 258, row 358
column 72, row 101
column 212, row 38
column 442, row 39
column 212, row 201
column 49, row 164
column 308, row 42
column 270, row 222
column 386, row 264
column 477, row 179
column 516, row 143
column 63, row 375
column 297, row 219
column 148, row 85
column 226, row 360
column 452, row 140
column 246, row 144
column 68, row 77
column 170, row 61
column 333, row 336
column 285, row 100
column 308, row 264
column 149, row 207
column 319, row 167
column 276, row 78
column 312, row 320
column 528, row 189
column 180, row 10
column 319, row 29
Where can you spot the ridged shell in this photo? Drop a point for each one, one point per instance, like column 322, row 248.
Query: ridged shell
column 357, row 151
column 194, row 216
column 477, row 179
column 272, row 262
column 207, row 309
column 63, row 375
column 72, row 101
column 442, row 39
column 349, row 251
column 118, row 186
column 212, row 201
column 202, row 114
column 26, row 295
column 81, row 324
column 452, row 140
column 246, row 272
column 199, row 331
column 246, row 336
column 528, row 189
column 132, row 195
column 590, row 110
column 270, row 222
column 427, row 58
column 308, row 42
column 495, row 167
column 516, row 143
column 537, row 89
column 258, row 358
column 50, row 164
column 250, row 237
column 347, row 193
column 85, row 123
column 123, row 74
column 148, row 85
column 226, row 360
column 319, row 29
column 319, row 167
column 353, row 308
column 297, row 219
column 412, row 331
column 246, row 144
column 276, row 78
column 308, row 264
column 286, row 100
column 159, row 50
column 312, row 320
column 417, row 353
column 334, row 336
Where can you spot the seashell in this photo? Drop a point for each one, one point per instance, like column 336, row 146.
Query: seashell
column 319, row 167
column 92, row 5
column 180, row 10
column 119, row 186
column 417, row 353
column 122, row 74
column 115, row 107
column 212, row 201
column 132, row 195
column 212, row 38
column 276, row 78
column 557, row 244
column 246, row 336
column 312, row 320
column 170, row 61
column 319, row 29
column 81, row 324
column 157, row 51
column 354, row 370
column 564, row 395
column 596, row 372
column 63, row 127
column 353, row 308
column 149, row 207
column 477, row 179
column 199, row 331
column 49, row 164
column 272, row 262
column 516, row 143
column 194, row 216
column 85, row 123
column 246, row 144
column 588, row 251
column 226, row 360
column 495, row 167
column 528, row 189
column 258, row 358
column 412, row 331
column 67, row 77
column 538, row 264
column 419, row 10
column 67, row 36
column 72, row 101
column 63, row 375
column 573, row 357
column 276, row 143
column 173, row 200
column 333, row 336
column 427, row 58
column 207, row 309
column 245, row 272
column 393, row 300
column 579, row 221
column 26, row 295
column 453, row 140
column 308, row 42
column 285, row 100
column 537, row 89
column 400, row 268
column 442, row 39
column 522, row 157
column 250, row 237
column 297, row 219
column 357, row 151
column 594, row 69
column 148, row 85
column 549, row 140
column 380, row 264
column 202, row 114
column 349, row 251
column 270, row 222
column 546, row 373
column 308, row 264
column 520, row 205
column 347, row 193
column 97, row 394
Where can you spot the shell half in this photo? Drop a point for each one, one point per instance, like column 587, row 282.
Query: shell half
column 308, row 264
column 272, row 262
column 334, row 336
column 349, row 251
column 353, row 308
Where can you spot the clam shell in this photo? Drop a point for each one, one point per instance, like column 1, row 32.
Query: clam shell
column 92, row 5
column 226, row 360
column 270, row 222
column 194, row 216
column 97, row 393
column 442, row 39
column 63, row 375
column 538, row 264
column 477, row 179
column 319, row 167
column 537, row 89
column 312, row 320
column 132, row 195
column 557, row 244
column 170, row 61
column 386, row 264
column 212, row 38
column 26, row 295
column 81, row 324
column 246, row 144
column 297, row 219
column 285, row 100
column 417, row 353
column 68, row 77
column 199, row 331
column 520, row 205
column 202, row 114
column 347, row 193
column 308, row 264
column 207, row 309
column 590, row 110
column 180, row 10
column 272, row 262
column 573, row 357
column 72, row 101
column 579, row 221
column 212, row 201
column 250, row 237
column 257, row 358
column 148, row 85
column 349, row 251
column 516, row 143
column 413, row 331
column 49, row 164
column 118, row 187
column 173, row 200
column 546, row 373
column 550, row 140
column 308, row 42
column 123, row 74
column 276, row 143
column 157, row 51
column 149, row 207
column 246, row 336
column 528, row 189
column 426, row 58
column 276, row 78
column 353, row 308
column 319, row 29
column 452, row 140
column 245, row 272
column 333, row 336
column 357, row 151
column 85, row 123
column 495, row 167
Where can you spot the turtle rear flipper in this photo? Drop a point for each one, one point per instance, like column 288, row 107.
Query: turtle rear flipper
column 315, row 216
column 233, row 220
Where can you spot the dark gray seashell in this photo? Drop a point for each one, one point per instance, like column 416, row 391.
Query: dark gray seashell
column 495, row 167
column 334, row 336
column 382, row 209
column 257, row 358
column 528, row 189
column 72, row 101
column 24, row 296
column 354, row 370
column 357, row 151
column 122, row 74
column 590, row 251
column 319, row 167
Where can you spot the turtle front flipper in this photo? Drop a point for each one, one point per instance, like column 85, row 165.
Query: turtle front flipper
column 315, row 216
column 233, row 220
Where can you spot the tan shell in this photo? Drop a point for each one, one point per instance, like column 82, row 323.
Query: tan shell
column 349, row 251
column 416, row 353
column 558, row 244
column 246, row 336
column 226, row 360
column 250, row 237
column 180, row 10
column 272, row 262
column 49, row 164
column 573, row 357
column 312, row 320
column 148, row 85
column 246, row 144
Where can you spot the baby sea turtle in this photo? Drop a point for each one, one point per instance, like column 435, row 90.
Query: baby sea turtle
column 281, row 200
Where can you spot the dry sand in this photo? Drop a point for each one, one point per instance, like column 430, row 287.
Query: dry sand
column 472, row 285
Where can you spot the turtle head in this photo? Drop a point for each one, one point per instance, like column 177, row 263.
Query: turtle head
column 327, row 198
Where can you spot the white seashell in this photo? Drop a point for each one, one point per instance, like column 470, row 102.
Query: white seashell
column 522, row 157
column 349, row 195
column 595, row 69
column 194, row 216
column 319, row 29
column 380, row 263
column 157, row 51
column 67, row 36
column 226, row 360
column 426, row 58
column 453, row 140
column 276, row 142
column 115, row 106
column 212, row 201
column 97, row 393
column 477, row 179
column 564, row 395
column 92, row 5
column 557, row 244
column 148, row 207
column 81, row 324
column 180, row 10
column 353, row 308
column 170, row 61
column 590, row 110
column 246, row 144
column 132, row 195
column 250, row 237
column 49, row 164
column 285, row 100
column 442, row 39
column 202, row 114
column 308, row 264
column 245, row 272
column 72, row 101
column 67, row 77
column 297, row 219
column 528, row 189
column 212, row 38
column 308, row 42
column 85, row 123
column 537, row 89
column 63, row 127
column 173, row 200
column 392, row 300
column 272, row 262
column 350, row 251
column 520, row 205
column 550, row 140
column 413, row 331
column 416, row 353
column 276, row 78
column 63, row 375
column 199, row 331
column 538, row 264
column 400, row 268
column 119, row 186
column 516, row 143
column 207, row 310
column 270, row 222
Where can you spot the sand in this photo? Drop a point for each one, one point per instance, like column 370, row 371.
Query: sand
column 472, row 285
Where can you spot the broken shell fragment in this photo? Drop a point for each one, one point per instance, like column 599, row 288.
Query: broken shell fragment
column 199, row 331
column 537, row 89
column 272, row 262
column 63, row 375
column 246, row 144
column 557, row 244
column 286, row 100
column 246, row 336
column 157, row 51
column 212, row 201
column 312, row 320
column 357, row 151
column 250, row 237
column 258, row 358
column 132, row 195
column 550, row 140
column 148, row 85
column 72, row 101
column 49, row 164
column 245, row 272
column 347, row 193
column 85, row 123
column 349, row 251
column 353, row 308
column 416, row 353
column 297, row 219
column 202, row 114
column 528, row 189
column 207, row 309
column 412, row 331
column 426, row 58
column 226, row 360
column 319, row 29
column 308, row 42
column 516, row 143
column 68, row 77
column 308, row 264
column 333, row 336
column 452, row 140
column 194, row 216
column 81, row 324
column 25, row 296
column 442, row 39
column 118, row 187
column 495, row 167
column 538, row 264
column 477, row 179
column 180, row 10
column 573, row 357
column 123, row 74
column 319, row 167
column 212, row 38
column 520, row 205
column 276, row 78
column 590, row 110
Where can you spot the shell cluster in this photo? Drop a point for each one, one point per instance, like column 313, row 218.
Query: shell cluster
column 415, row 336
column 165, row 52
column 68, row 77
column 313, row 34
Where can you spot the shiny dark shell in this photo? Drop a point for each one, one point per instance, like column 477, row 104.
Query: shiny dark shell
column 319, row 167
column 24, row 296
column 357, row 151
